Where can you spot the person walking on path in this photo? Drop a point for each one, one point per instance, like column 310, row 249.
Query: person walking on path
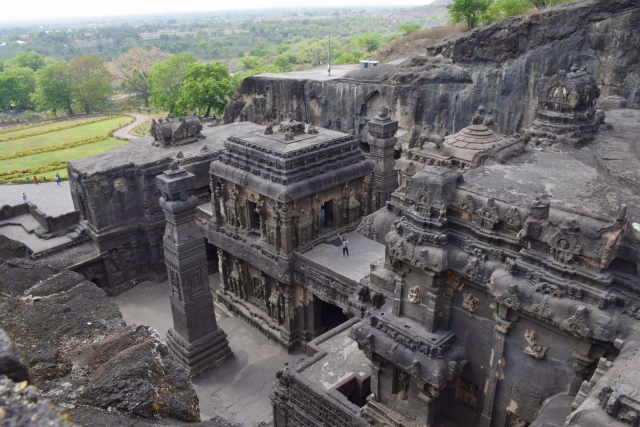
column 58, row 179
column 345, row 246
column 35, row 180
column 24, row 197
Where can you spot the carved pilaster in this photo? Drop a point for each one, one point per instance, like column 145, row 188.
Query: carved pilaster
column 216, row 202
column 286, row 231
column 497, row 362
column 195, row 339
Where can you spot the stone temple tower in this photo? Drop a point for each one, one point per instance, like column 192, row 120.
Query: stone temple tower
column 195, row 339
column 382, row 140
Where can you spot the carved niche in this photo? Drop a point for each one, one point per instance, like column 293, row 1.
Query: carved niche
column 468, row 204
column 512, row 217
column 563, row 244
column 509, row 298
column 577, row 324
column 475, row 268
column 489, row 214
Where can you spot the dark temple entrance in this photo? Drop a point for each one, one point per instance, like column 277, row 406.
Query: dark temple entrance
column 332, row 316
column 327, row 215
column 212, row 257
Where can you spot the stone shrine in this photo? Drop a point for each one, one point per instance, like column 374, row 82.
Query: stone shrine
column 483, row 285
column 274, row 195
column 567, row 109
column 175, row 132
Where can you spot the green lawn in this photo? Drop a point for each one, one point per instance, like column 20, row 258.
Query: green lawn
column 60, row 155
column 59, row 137
column 56, row 124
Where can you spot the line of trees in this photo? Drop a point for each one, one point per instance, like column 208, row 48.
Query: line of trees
column 177, row 83
column 31, row 81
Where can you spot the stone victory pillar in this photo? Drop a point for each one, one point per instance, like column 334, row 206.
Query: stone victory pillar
column 382, row 140
column 195, row 339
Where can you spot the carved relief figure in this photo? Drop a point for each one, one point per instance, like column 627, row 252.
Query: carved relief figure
column 534, row 348
column 414, row 295
column 404, row 385
column 470, row 302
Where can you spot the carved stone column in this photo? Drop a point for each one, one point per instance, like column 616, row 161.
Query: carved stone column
column 437, row 303
column 195, row 339
column 382, row 141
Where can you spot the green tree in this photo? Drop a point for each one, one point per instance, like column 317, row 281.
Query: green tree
column 249, row 63
column 468, row 11
column 369, row 41
column 54, row 88
column 32, row 60
column 16, row 87
column 282, row 62
column 206, row 86
column 90, row 79
column 409, row 28
column 166, row 79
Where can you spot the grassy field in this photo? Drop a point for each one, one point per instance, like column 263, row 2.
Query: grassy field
column 60, row 137
column 59, row 155
column 56, row 124
column 57, row 138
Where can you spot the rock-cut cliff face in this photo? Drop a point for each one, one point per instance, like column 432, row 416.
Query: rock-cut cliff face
column 499, row 66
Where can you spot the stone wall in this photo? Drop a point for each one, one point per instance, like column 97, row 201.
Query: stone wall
column 57, row 223
column 8, row 212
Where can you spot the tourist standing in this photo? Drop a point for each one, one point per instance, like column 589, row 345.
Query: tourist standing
column 345, row 246
column 24, row 197
column 58, row 179
column 35, row 180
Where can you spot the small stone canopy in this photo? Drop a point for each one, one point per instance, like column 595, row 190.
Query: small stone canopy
column 175, row 131
column 565, row 95
column 567, row 108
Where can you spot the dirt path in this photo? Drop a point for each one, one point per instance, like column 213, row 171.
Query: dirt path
column 124, row 132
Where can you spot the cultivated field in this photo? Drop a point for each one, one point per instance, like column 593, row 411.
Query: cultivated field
column 44, row 150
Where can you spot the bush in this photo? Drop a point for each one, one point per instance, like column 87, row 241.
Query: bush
column 409, row 28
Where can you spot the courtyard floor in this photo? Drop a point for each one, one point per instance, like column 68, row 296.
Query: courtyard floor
column 50, row 198
column 238, row 390
column 362, row 252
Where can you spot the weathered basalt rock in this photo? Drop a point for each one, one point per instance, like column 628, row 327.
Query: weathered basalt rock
column 22, row 405
column 498, row 66
column 80, row 351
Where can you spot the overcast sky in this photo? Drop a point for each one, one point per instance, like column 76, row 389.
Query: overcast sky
column 21, row 10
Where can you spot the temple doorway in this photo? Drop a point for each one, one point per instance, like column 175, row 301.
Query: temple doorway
column 332, row 316
column 212, row 257
column 326, row 210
